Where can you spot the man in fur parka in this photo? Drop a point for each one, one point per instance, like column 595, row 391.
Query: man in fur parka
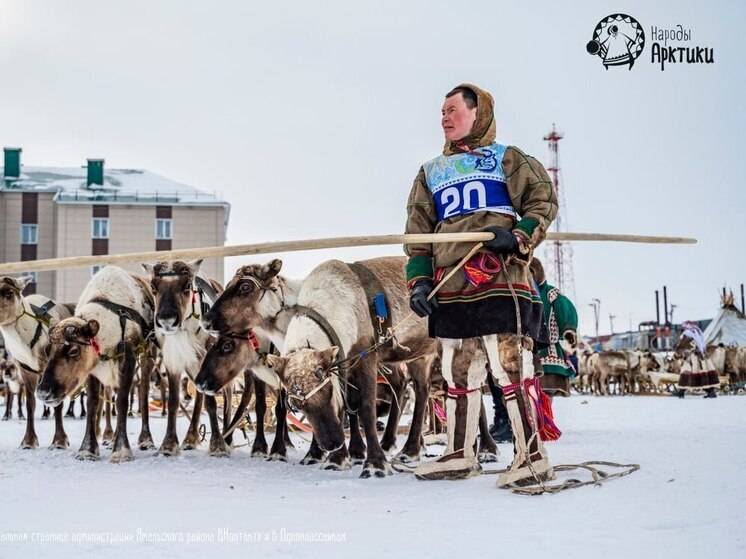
column 479, row 185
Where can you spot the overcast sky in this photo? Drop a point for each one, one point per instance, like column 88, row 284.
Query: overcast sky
column 312, row 118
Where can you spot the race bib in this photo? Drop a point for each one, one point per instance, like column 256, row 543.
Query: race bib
column 467, row 182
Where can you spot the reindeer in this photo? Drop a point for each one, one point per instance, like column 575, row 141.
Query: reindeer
column 606, row 366
column 24, row 324
column 239, row 311
column 182, row 295
column 13, row 386
column 331, row 323
column 231, row 356
column 259, row 299
column 99, row 344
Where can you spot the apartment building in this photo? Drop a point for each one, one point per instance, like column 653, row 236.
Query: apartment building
column 48, row 212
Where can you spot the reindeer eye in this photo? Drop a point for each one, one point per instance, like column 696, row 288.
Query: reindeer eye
column 245, row 288
column 74, row 352
column 319, row 373
column 188, row 290
column 227, row 347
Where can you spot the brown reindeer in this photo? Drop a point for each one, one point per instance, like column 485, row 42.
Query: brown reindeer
column 24, row 324
column 231, row 356
column 13, row 387
column 99, row 345
column 181, row 296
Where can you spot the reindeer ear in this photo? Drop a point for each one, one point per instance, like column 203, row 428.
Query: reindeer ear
column 23, row 281
column 271, row 269
column 277, row 363
column 91, row 329
column 149, row 268
column 194, row 265
column 329, row 355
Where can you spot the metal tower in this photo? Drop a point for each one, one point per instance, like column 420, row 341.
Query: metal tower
column 558, row 254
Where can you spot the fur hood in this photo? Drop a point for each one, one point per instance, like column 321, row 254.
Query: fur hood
column 484, row 130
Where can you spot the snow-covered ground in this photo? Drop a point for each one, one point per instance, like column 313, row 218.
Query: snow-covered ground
column 686, row 501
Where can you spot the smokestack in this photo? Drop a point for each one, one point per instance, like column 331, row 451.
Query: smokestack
column 95, row 172
column 12, row 163
column 657, row 309
column 665, row 304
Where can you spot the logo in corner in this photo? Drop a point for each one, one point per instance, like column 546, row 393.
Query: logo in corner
column 618, row 40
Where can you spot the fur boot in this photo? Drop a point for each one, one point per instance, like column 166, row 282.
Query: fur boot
column 530, row 463
column 463, row 408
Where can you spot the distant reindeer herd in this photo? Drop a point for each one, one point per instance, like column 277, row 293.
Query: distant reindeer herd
column 315, row 347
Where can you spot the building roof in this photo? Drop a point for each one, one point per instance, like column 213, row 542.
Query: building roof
column 121, row 186
column 727, row 328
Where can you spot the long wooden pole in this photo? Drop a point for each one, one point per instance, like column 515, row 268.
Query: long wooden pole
column 310, row 244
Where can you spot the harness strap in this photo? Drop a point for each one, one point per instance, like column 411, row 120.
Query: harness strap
column 125, row 313
column 43, row 311
column 339, row 364
column 27, row 368
column 300, row 310
column 206, row 287
column 373, row 289
column 41, row 316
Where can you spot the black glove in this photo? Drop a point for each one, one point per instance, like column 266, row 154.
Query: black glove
column 503, row 243
column 418, row 298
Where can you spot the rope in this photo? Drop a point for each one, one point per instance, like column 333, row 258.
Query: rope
column 598, row 475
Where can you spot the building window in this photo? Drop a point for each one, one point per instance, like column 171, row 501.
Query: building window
column 100, row 228
column 29, row 234
column 164, row 229
column 95, row 270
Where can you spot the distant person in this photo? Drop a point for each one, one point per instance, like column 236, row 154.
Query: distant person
column 697, row 371
column 562, row 320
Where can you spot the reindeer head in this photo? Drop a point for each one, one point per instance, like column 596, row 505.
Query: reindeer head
column 314, row 388
column 684, row 348
column 648, row 362
column 11, row 300
column 73, row 354
column 172, row 283
column 8, row 370
column 244, row 303
column 225, row 360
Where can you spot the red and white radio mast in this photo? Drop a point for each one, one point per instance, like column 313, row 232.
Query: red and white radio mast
column 558, row 255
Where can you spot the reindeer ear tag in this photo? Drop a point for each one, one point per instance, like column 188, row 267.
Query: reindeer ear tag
column 194, row 297
column 95, row 346
column 253, row 341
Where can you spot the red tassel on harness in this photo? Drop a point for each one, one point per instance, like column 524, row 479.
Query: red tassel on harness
column 252, row 340
column 547, row 428
column 95, row 346
column 440, row 412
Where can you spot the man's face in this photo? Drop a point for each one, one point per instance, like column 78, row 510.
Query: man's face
column 458, row 119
